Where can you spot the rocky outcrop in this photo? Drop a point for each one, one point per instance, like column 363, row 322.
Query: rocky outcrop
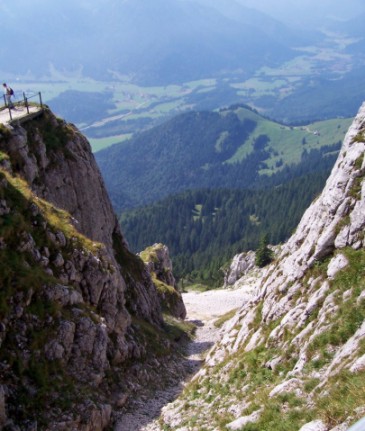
column 78, row 310
column 159, row 265
column 292, row 352
column 241, row 264
column 56, row 161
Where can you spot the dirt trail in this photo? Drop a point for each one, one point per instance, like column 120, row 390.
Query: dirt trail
column 203, row 309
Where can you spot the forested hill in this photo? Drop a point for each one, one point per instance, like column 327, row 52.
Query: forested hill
column 234, row 148
column 204, row 229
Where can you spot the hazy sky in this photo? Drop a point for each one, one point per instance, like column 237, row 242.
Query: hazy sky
column 295, row 11
column 311, row 11
column 40, row 33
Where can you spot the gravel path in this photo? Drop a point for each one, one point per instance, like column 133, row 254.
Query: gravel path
column 18, row 113
column 203, row 309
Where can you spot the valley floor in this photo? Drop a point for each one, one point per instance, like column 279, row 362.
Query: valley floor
column 203, row 309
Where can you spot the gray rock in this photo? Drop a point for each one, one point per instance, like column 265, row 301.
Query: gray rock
column 64, row 295
column 292, row 385
column 159, row 265
column 58, row 261
column 317, row 425
column 76, row 311
column 244, row 420
column 70, row 179
column 4, row 209
column 240, row 265
column 336, row 264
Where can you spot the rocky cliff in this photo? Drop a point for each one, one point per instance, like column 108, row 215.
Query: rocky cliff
column 293, row 357
column 78, row 311
column 58, row 165
column 158, row 262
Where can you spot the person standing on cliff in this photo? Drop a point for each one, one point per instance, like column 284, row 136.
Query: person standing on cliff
column 9, row 93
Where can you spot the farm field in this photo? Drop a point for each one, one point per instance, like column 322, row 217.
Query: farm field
column 109, row 112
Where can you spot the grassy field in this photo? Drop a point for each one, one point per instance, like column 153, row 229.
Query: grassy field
column 133, row 104
column 99, row 144
column 284, row 139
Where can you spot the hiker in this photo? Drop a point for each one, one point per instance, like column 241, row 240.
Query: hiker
column 8, row 95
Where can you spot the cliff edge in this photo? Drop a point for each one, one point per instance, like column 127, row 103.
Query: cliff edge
column 79, row 312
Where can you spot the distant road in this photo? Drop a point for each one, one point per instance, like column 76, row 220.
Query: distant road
column 113, row 118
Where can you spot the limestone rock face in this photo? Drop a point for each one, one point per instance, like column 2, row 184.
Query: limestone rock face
column 159, row 265
column 57, row 162
column 301, row 336
column 241, row 264
column 71, row 290
column 69, row 179
column 314, row 426
column 64, row 307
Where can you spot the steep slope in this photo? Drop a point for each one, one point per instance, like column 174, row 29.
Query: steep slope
column 57, row 163
column 293, row 356
column 77, row 308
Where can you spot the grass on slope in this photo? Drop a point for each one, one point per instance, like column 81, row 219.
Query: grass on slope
column 245, row 379
column 287, row 143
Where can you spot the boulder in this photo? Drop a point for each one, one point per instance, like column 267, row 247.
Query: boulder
column 241, row 264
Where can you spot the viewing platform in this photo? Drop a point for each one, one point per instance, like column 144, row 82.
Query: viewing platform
column 22, row 110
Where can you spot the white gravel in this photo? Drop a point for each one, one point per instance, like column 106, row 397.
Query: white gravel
column 203, row 309
column 213, row 303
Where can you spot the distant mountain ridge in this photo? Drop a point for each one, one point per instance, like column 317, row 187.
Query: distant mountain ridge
column 154, row 43
column 233, row 148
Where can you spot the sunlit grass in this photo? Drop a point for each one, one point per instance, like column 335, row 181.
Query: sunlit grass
column 98, row 144
column 223, row 319
column 56, row 218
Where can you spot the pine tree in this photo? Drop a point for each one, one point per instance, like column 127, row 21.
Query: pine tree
column 263, row 254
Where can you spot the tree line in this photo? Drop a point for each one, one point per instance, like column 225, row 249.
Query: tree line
column 205, row 228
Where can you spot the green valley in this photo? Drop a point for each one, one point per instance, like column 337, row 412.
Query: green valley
column 111, row 111
column 234, row 148
column 210, row 184
column 204, row 229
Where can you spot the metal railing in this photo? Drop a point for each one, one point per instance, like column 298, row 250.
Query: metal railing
column 24, row 102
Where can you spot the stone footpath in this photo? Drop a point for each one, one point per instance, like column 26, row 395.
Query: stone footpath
column 18, row 113
column 203, row 309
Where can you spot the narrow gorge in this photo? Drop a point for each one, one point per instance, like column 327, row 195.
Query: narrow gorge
column 293, row 356
column 87, row 328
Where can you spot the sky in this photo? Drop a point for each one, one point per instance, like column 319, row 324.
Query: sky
column 307, row 11
column 303, row 12
column 307, row 14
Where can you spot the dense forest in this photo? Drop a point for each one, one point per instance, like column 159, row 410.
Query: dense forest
column 211, row 184
column 204, row 228
column 234, row 148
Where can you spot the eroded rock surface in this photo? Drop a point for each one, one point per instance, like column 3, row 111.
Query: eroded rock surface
column 300, row 336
